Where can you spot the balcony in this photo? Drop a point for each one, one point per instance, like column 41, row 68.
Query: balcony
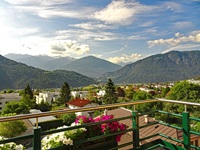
column 143, row 132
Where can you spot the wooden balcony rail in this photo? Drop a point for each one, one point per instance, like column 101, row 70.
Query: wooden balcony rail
column 135, row 129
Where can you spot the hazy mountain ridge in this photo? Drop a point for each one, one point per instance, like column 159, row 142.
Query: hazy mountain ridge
column 41, row 61
column 171, row 66
column 91, row 66
column 18, row 75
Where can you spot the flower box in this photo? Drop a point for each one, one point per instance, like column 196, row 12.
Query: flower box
column 67, row 139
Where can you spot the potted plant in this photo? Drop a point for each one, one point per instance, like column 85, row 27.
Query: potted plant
column 68, row 137
column 102, row 129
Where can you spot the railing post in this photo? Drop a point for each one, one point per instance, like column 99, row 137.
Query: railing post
column 37, row 138
column 135, row 124
column 186, row 130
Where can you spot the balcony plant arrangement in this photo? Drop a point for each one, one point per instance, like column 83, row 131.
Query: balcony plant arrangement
column 10, row 145
column 100, row 130
column 63, row 140
column 70, row 137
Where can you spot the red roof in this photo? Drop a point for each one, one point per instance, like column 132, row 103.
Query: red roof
column 79, row 102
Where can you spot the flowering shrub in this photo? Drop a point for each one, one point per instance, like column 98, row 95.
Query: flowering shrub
column 61, row 138
column 10, row 145
column 105, row 128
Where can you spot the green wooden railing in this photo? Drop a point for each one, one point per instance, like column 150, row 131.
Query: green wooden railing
column 184, row 144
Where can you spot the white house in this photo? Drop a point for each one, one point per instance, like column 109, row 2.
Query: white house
column 80, row 103
column 46, row 97
column 146, row 89
column 81, row 94
column 101, row 93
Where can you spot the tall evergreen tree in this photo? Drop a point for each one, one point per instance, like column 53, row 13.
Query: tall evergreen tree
column 27, row 97
column 65, row 93
column 111, row 94
column 28, row 91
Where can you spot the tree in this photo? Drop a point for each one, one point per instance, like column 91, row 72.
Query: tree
column 28, row 91
column 91, row 95
column 65, row 94
column 141, row 95
column 110, row 95
column 185, row 91
column 129, row 92
column 120, row 92
column 44, row 106
column 29, row 102
column 68, row 119
column 165, row 91
column 12, row 128
column 27, row 97
column 16, row 107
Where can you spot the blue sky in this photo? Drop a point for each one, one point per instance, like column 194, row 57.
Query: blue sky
column 115, row 30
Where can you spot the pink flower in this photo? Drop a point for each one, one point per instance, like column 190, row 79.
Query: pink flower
column 105, row 128
column 118, row 138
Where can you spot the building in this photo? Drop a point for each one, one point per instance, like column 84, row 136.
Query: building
column 101, row 93
column 8, row 97
column 81, row 94
column 81, row 103
column 48, row 97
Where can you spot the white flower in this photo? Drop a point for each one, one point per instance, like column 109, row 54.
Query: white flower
column 59, row 138
column 10, row 145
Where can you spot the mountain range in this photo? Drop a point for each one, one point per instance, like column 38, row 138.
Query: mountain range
column 17, row 75
column 89, row 66
column 40, row 61
column 172, row 66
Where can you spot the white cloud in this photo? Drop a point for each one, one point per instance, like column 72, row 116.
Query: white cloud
column 31, row 44
column 124, row 58
column 120, row 12
column 58, row 47
column 146, row 24
column 92, row 26
column 55, row 11
column 86, row 35
column 173, row 6
column 37, row 2
column 136, row 37
column 175, row 41
column 182, row 25
column 182, row 48
column 67, row 47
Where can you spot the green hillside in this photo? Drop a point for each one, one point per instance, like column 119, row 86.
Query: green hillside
column 171, row 66
column 17, row 75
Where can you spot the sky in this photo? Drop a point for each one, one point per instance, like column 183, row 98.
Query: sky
column 119, row 31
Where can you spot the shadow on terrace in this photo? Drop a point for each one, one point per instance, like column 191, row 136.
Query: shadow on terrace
column 140, row 131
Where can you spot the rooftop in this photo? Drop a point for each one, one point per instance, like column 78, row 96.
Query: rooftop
column 79, row 102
